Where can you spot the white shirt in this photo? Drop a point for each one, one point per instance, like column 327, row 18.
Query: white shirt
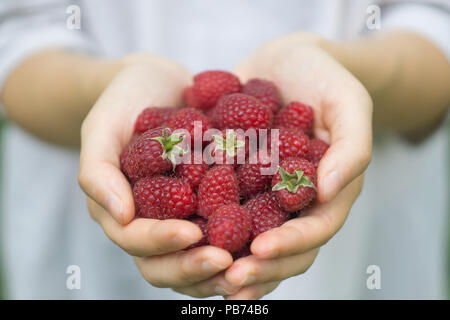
column 398, row 223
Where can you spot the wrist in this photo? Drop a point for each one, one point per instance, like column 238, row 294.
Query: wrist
column 362, row 59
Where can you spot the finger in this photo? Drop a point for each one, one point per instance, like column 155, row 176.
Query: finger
column 184, row 268
column 252, row 270
column 215, row 286
column 99, row 174
column 349, row 121
column 311, row 230
column 146, row 237
column 254, row 292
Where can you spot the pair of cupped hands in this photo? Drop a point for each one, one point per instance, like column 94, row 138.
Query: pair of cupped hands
column 302, row 71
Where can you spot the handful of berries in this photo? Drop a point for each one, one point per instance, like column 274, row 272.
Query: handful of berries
column 231, row 161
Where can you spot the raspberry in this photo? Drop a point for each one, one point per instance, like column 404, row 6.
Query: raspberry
column 189, row 98
column 251, row 180
column 153, row 117
column 294, row 184
column 185, row 118
column 291, row 143
column 229, row 227
column 209, row 86
column 192, row 172
column 295, row 115
column 150, row 154
column 265, row 91
column 161, row 197
column 218, row 187
column 201, row 223
column 266, row 213
column 317, row 149
column 125, row 151
column 241, row 111
column 123, row 158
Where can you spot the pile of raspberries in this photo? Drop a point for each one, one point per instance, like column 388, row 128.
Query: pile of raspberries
column 232, row 202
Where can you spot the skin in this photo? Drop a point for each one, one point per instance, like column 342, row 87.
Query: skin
column 340, row 81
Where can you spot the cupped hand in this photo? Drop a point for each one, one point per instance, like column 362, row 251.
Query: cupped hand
column 143, row 81
column 304, row 72
column 282, row 252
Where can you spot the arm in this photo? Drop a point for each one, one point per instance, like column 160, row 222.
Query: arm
column 66, row 93
column 406, row 75
column 50, row 93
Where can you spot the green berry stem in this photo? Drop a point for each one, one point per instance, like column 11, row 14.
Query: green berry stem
column 293, row 181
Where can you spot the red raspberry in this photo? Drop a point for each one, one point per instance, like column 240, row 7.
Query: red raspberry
column 244, row 252
column 161, row 197
column 201, row 223
column 294, row 184
column 192, row 172
column 229, row 227
column 189, row 98
column 150, row 154
column 123, row 158
column 295, row 115
column 210, row 114
column 185, row 118
column 218, row 187
column 251, row 180
column 265, row 91
column 125, row 151
column 291, row 143
column 241, row 111
column 209, row 86
column 266, row 213
column 317, row 149
column 153, row 117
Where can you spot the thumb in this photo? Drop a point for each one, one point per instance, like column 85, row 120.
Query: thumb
column 100, row 176
column 350, row 151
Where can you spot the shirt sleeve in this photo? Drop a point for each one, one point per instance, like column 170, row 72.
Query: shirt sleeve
column 28, row 26
column 429, row 19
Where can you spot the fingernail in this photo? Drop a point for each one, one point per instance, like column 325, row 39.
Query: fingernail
column 184, row 236
column 209, row 266
column 265, row 249
column 114, row 206
column 267, row 252
column 331, row 185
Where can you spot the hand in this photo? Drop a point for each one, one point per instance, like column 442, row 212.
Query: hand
column 282, row 252
column 343, row 116
column 143, row 81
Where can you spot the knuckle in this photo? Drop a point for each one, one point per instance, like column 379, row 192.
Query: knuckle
column 184, row 271
column 329, row 227
column 192, row 291
column 158, row 283
column 148, row 276
column 257, row 269
column 82, row 177
column 366, row 156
